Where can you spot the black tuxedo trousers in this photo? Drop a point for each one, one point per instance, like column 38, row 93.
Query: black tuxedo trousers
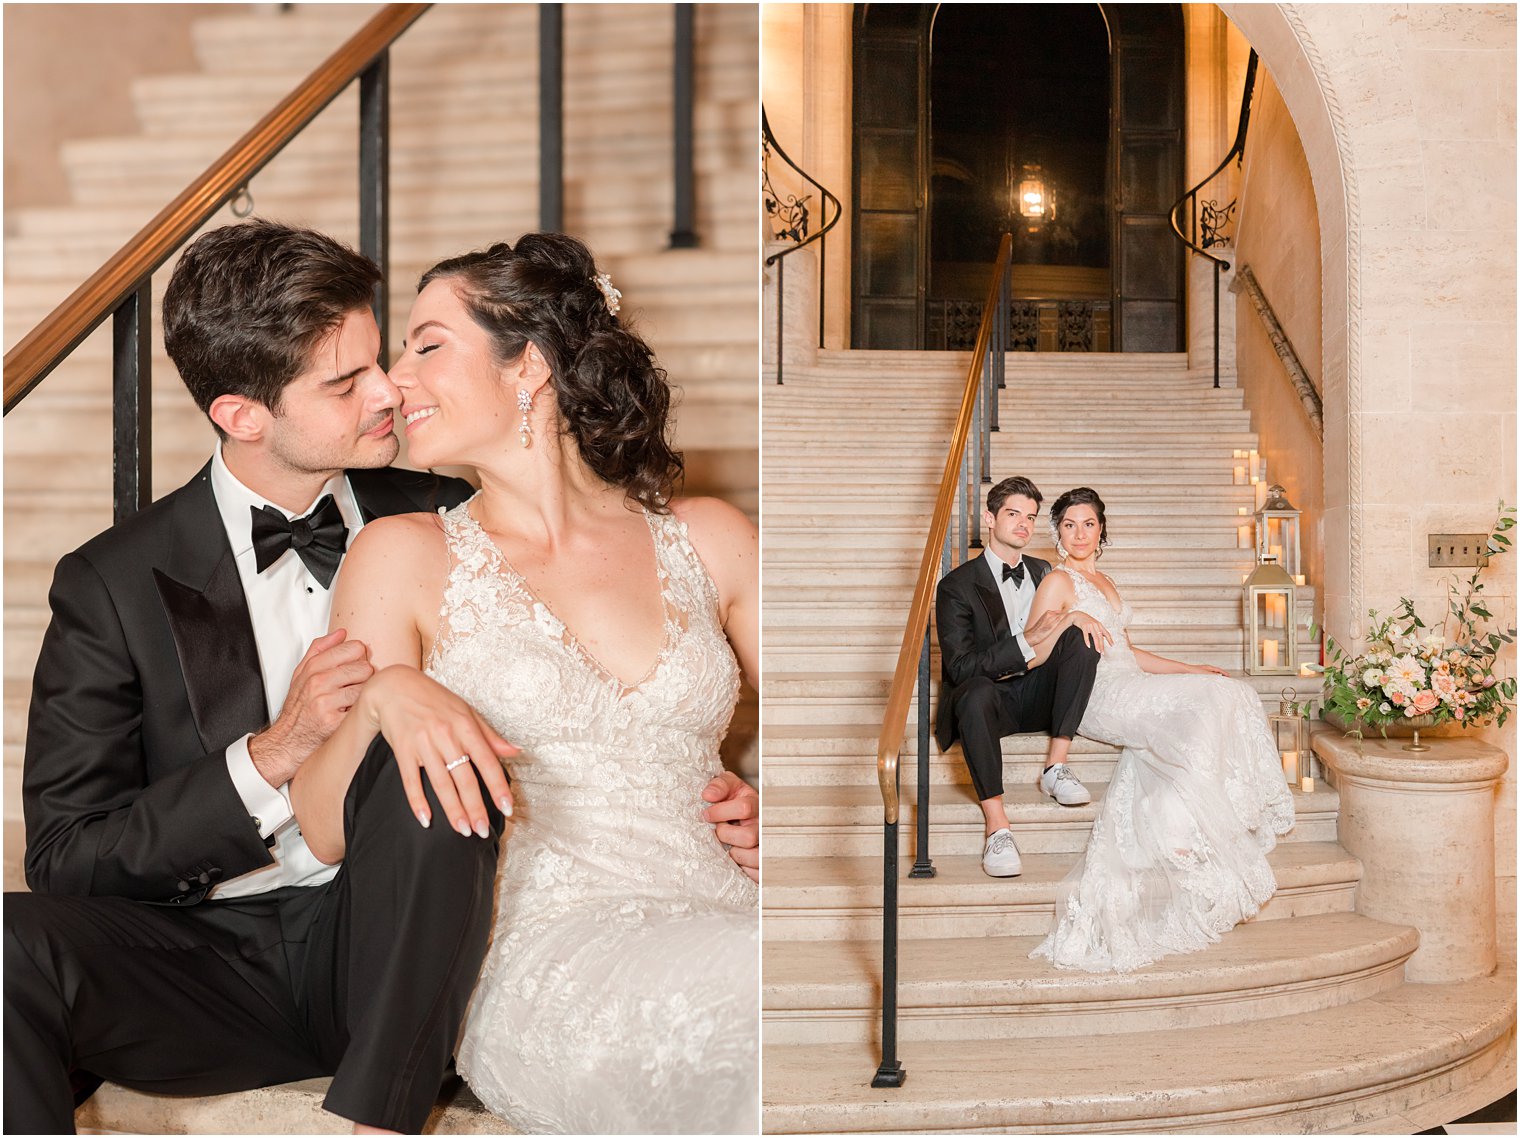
column 1050, row 698
column 365, row 978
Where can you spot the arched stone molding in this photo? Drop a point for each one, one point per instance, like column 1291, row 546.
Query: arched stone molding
column 1286, row 48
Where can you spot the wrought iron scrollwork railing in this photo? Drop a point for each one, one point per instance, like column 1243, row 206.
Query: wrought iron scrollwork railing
column 791, row 218
column 968, row 465
column 1036, row 324
column 1207, row 218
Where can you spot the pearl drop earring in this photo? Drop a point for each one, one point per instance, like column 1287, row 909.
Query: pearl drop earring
column 525, row 430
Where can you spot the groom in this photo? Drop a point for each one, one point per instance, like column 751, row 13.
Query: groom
column 1003, row 675
column 181, row 937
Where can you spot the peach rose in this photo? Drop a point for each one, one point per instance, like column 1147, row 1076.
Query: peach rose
column 1425, row 702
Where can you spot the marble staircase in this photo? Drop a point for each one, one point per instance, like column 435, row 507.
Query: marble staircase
column 464, row 164
column 1298, row 1021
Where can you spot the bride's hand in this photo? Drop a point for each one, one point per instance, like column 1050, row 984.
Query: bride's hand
column 1097, row 637
column 1208, row 670
column 430, row 728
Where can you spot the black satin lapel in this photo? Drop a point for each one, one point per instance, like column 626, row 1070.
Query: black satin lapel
column 992, row 599
column 213, row 637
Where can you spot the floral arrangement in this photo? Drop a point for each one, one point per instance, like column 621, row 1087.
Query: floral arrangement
column 1412, row 671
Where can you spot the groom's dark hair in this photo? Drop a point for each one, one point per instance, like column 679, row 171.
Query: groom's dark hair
column 1007, row 488
column 248, row 305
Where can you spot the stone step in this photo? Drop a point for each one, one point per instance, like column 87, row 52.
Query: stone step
column 846, row 821
column 1407, row 1054
column 290, row 1108
column 833, row 898
column 987, row 988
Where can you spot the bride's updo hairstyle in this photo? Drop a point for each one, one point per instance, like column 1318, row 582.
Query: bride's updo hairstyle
column 614, row 400
column 1081, row 496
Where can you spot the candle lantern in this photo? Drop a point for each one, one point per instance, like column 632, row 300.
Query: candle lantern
column 1277, row 532
column 1290, row 735
column 1271, row 621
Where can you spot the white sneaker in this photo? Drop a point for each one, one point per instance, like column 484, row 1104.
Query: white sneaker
column 1065, row 787
column 1001, row 857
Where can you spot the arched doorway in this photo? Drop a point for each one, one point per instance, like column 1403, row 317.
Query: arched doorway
column 1061, row 123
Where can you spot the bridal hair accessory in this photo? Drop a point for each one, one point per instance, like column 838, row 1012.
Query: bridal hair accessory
column 612, row 296
column 459, row 762
column 525, row 429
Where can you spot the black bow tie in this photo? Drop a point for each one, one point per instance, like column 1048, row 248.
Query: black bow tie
column 1014, row 571
column 318, row 539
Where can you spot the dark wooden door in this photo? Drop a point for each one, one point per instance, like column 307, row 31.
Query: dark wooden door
column 890, row 236
column 1148, row 312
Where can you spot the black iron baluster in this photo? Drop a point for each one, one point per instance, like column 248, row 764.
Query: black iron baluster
column 551, row 118
column 684, row 234
column 780, row 263
column 1217, row 267
column 890, row 1073
column 922, row 866
column 374, row 185
column 132, row 403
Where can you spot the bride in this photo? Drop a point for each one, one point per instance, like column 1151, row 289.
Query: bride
column 593, row 621
column 1178, row 853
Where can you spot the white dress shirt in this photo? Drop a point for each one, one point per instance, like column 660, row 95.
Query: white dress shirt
column 289, row 609
column 1018, row 599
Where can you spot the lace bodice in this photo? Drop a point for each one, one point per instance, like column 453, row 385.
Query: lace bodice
column 622, row 926
column 579, row 727
column 1091, row 600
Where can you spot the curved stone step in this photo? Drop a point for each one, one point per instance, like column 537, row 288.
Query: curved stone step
column 846, row 821
column 1410, row 1052
column 815, row 898
column 988, row 988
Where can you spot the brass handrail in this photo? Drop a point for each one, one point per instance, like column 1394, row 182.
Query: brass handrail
column 41, row 349
column 894, row 722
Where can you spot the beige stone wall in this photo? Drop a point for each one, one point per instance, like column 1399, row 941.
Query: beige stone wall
column 67, row 72
column 806, row 85
column 1407, row 117
column 1277, row 237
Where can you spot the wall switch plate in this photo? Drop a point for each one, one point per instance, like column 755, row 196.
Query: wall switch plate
column 1448, row 550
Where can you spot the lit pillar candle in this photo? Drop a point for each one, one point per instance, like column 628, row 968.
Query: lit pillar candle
column 1298, row 579
column 1240, row 476
column 1243, row 537
column 1269, row 651
column 1276, row 552
column 1306, row 784
column 1290, row 766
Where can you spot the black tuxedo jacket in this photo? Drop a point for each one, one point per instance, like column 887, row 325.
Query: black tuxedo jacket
column 148, row 671
column 974, row 637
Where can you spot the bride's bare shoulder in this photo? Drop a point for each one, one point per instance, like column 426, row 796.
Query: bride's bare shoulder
column 406, row 545
column 725, row 539
column 716, row 523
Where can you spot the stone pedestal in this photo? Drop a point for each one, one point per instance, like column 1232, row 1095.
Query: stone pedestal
column 1422, row 825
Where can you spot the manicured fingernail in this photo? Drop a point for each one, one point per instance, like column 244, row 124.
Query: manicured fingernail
column 424, row 818
column 506, row 805
column 463, row 827
column 482, row 829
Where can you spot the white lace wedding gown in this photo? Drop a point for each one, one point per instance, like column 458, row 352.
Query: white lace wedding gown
column 1178, row 853
column 620, row 992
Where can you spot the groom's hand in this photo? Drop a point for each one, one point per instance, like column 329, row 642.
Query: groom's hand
column 735, row 815
column 323, row 687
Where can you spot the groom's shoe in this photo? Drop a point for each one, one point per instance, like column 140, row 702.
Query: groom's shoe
column 1000, row 858
column 1065, row 787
